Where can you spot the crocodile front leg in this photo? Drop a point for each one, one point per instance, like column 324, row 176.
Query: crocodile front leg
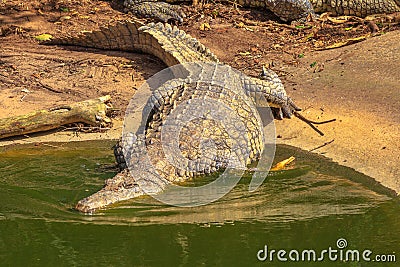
column 268, row 91
column 289, row 10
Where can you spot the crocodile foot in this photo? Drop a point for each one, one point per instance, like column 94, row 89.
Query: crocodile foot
column 158, row 10
column 288, row 107
column 286, row 110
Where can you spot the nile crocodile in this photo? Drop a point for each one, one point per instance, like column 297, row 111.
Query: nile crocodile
column 287, row 10
column 174, row 46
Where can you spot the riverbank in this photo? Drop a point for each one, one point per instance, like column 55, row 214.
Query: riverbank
column 357, row 84
column 360, row 87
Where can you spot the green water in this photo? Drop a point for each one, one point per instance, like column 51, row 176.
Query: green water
column 308, row 207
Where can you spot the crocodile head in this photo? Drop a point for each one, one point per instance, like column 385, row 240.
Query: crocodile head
column 115, row 190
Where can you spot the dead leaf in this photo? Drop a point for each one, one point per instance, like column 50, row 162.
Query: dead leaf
column 205, row 27
column 63, row 18
column 308, row 37
column 318, row 43
column 247, row 53
column 319, row 68
column 240, row 25
column 347, row 42
column 243, row 26
column 282, row 164
column 324, row 16
column 372, row 17
column 339, row 20
column 43, row 37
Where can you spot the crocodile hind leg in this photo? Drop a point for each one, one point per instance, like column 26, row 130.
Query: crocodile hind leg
column 290, row 10
column 287, row 10
column 152, row 8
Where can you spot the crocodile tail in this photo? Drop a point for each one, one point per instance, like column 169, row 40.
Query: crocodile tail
column 171, row 45
column 174, row 46
column 121, row 36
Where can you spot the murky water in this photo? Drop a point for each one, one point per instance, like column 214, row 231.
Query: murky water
column 308, row 207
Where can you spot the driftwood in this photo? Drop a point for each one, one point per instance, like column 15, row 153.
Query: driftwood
column 92, row 112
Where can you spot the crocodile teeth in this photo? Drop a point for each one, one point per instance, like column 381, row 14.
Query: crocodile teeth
column 182, row 34
column 159, row 26
column 201, row 48
column 168, row 28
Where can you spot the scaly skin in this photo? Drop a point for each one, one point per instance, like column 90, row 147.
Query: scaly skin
column 287, row 10
column 174, row 46
column 359, row 8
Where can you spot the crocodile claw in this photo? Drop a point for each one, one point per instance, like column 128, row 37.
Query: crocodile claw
column 277, row 113
column 289, row 108
column 286, row 110
column 159, row 10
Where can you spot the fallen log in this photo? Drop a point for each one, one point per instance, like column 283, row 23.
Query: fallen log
column 92, row 112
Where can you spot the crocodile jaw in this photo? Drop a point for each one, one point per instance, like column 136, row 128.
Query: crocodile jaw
column 116, row 189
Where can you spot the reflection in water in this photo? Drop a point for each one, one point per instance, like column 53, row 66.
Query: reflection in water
column 312, row 204
column 280, row 199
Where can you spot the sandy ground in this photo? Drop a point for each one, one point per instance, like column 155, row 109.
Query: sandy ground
column 360, row 88
column 357, row 84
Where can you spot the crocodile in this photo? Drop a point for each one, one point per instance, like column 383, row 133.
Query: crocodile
column 173, row 46
column 286, row 10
